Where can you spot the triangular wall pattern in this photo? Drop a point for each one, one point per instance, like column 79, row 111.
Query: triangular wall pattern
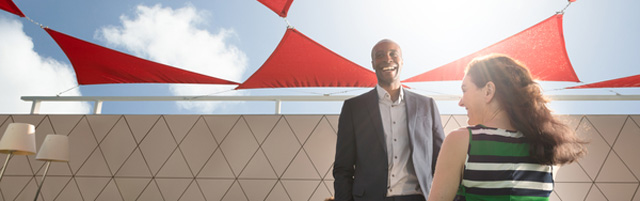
column 261, row 157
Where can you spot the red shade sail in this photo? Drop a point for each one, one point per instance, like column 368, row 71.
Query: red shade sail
column 280, row 7
column 299, row 61
column 95, row 64
column 540, row 47
column 11, row 7
column 631, row 81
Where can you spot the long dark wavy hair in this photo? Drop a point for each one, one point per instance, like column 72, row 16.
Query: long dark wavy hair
column 551, row 142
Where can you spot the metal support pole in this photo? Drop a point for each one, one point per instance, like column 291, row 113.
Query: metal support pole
column 35, row 107
column 278, row 106
column 97, row 107
column 4, row 167
column 42, row 182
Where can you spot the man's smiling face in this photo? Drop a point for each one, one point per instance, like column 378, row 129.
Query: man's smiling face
column 386, row 58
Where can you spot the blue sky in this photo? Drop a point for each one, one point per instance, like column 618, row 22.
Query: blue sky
column 231, row 40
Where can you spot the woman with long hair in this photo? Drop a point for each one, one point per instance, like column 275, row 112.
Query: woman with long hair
column 513, row 142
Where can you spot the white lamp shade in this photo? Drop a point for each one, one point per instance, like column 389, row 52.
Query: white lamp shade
column 54, row 148
column 19, row 139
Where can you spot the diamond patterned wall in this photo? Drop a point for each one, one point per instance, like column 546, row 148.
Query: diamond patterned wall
column 259, row 157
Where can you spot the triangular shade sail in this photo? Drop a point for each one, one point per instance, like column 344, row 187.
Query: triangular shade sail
column 631, row 81
column 11, row 7
column 95, row 64
column 280, row 7
column 299, row 61
column 540, row 47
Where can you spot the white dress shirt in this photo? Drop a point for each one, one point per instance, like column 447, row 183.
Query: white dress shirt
column 402, row 176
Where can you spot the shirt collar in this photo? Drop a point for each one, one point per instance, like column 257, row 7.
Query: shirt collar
column 382, row 93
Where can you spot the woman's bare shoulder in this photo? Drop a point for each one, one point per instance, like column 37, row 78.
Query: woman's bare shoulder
column 460, row 133
column 458, row 137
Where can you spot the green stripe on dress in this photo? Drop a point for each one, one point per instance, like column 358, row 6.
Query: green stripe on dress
column 499, row 148
column 504, row 198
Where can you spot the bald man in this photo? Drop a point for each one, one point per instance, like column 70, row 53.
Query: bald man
column 388, row 138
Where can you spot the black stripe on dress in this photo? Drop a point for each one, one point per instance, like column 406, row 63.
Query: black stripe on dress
column 508, row 191
column 500, row 159
column 507, row 175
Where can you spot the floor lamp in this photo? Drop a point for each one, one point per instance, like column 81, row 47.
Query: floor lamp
column 18, row 139
column 54, row 148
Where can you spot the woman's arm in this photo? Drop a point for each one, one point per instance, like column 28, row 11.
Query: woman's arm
column 450, row 166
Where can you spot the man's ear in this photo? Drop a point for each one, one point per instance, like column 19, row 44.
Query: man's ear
column 489, row 91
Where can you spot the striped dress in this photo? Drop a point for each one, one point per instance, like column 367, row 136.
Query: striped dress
column 498, row 167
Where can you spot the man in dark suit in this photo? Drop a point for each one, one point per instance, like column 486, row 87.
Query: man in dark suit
column 388, row 138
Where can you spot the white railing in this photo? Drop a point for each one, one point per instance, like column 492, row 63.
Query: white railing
column 98, row 100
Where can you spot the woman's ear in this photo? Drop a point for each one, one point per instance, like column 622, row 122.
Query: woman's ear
column 489, row 91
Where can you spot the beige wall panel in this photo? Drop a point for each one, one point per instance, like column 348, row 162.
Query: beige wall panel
column 281, row 146
column 627, row 146
column 261, row 125
column 260, row 157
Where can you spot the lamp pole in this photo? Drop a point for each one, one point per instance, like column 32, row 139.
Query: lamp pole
column 6, row 162
column 42, row 182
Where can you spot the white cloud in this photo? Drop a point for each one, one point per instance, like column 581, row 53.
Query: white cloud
column 23, row 72
column 173, row 37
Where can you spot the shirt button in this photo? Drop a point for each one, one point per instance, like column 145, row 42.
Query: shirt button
column 396, row 157
column 395, row 139
column 393, row 175
column 394, row 122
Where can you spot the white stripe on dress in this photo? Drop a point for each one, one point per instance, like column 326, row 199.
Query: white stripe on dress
column 499, row 131
column 509, row 166
column 509, row 184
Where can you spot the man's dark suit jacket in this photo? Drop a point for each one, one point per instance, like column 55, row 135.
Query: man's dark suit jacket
column 361, row 167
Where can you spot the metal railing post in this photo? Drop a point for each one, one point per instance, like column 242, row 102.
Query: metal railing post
column 278, row 106
column 35, row 106
column 97, row 107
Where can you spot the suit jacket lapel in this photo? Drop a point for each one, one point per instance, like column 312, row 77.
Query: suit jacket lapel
column 374, row 115
column 411, row 105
